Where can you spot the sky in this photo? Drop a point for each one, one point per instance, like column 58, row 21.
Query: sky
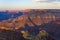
column 29, row 4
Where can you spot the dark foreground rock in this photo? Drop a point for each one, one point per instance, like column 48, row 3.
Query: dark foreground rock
column 10, row 35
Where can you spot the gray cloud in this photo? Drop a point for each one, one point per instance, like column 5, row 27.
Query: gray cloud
column 47, row 0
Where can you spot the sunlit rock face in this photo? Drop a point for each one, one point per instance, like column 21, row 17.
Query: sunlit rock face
column 37, row 16
column 40, row 16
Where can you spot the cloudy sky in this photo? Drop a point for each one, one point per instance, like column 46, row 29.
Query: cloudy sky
column 29, row 4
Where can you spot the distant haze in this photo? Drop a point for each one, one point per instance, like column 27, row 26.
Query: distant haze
column 28, row 4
